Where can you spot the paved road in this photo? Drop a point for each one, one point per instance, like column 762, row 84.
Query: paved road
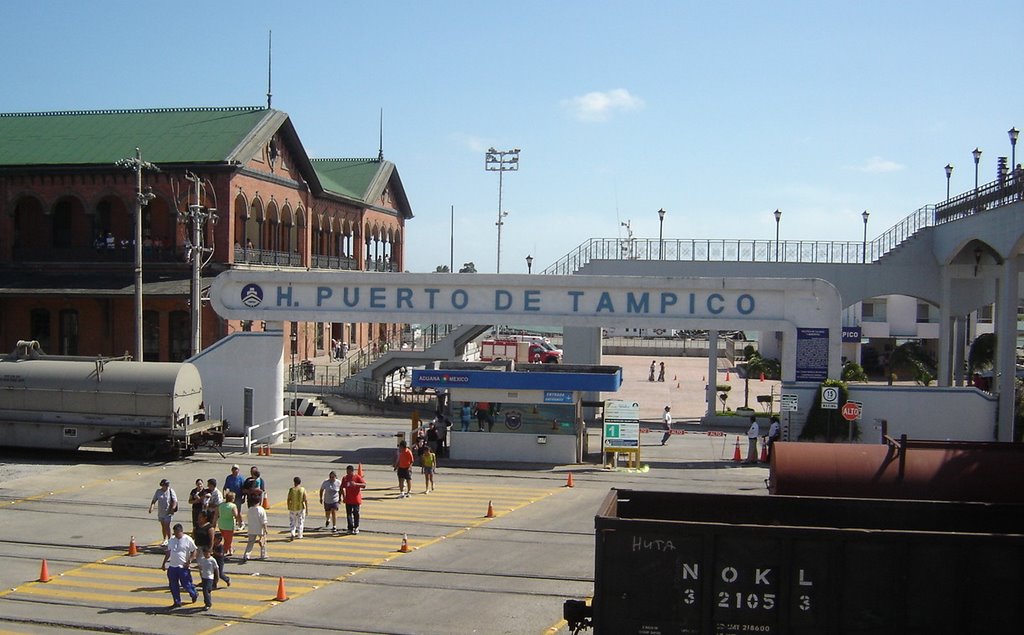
column 465, row 573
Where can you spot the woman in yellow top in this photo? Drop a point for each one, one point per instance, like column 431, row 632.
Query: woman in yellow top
column 429, row 462
column 298, row 506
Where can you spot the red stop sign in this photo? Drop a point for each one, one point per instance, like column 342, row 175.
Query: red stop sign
column 851, row 411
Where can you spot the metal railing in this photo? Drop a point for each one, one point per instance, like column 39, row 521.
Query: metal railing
column 1004, row 191
column 739, row 250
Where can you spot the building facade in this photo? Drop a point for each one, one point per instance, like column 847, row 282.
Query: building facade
column 67, row 225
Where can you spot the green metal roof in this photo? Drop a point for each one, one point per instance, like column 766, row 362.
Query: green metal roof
column 348, row 177
column 185, row 135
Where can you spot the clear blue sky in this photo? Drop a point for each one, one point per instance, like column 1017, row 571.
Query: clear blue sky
column 719, row 112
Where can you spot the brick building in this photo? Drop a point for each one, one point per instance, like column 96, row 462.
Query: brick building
column 67, row 211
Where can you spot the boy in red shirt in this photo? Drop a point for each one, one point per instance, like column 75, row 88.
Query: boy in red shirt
column 352, row 490
column 403, row 465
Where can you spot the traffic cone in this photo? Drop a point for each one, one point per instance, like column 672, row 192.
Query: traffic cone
column 726, row 375
column 269, row 451
column 44, row 572
column 764, row 452
column 405, row 544
column 677, row 385
column 568, row 481
column 281, row 595
column 675, row 377
column 762, row 376
column 360, row 470
column 490, row 510
column 259, row 450
column 265, row 503
column 736, row 456
column 133, row 550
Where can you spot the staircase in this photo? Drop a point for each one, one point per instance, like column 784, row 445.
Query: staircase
column 307, row 406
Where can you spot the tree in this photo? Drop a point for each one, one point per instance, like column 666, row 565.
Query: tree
column 468, row 267
column 852, row 371
column 442, row 269
column 828, row 424
column 982, row 355
column 911, row 358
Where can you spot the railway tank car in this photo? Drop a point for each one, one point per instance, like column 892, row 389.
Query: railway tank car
column 144, row 410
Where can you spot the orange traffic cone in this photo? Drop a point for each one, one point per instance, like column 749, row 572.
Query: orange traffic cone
column 405, row 544
column 675, row 377
column 490, row 510
column 259, row 450
column 269, row 451
column 44, row 573
column 762, row 376
column 726, row 375
column 736, row 456
column 281, row 595
column 677, row 385
column 764, row 452
column 133, row 550
column 360, row 470
column 265, row 502
column 568, row 481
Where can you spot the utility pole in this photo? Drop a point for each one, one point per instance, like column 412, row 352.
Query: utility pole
column 142, row 198
column 198, row 216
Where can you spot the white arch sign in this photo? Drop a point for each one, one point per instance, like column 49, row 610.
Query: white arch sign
column 807, row 311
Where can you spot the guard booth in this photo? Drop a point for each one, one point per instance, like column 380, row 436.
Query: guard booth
column 533, row 411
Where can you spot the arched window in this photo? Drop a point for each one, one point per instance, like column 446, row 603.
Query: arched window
column 39, row 327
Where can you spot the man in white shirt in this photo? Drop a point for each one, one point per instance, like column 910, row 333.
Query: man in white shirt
column 257, row 520
column 752, row 433
column 774, row 434
column 181, row 551
column 666, row 418
column 330, row 491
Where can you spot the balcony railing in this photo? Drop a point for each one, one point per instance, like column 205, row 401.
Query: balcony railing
column 92, row 254
column 732, row 250
column 989, row 196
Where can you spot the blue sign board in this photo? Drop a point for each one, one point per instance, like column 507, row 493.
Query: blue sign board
column 811, row 355
column 851, row 334
column 563, row 382
column 558, row 396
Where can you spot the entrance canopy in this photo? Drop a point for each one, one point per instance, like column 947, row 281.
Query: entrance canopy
column 809, row 306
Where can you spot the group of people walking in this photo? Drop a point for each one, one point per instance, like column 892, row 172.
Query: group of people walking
column 660, row 368
column 216, row 516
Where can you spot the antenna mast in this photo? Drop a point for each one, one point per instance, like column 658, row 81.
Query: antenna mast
column 380, row 145
column 270, row 64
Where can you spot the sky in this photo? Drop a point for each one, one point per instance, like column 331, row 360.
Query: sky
column 718, row 112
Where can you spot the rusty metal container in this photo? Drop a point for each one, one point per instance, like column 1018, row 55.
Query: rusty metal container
column 901, row 469
column 731, row 565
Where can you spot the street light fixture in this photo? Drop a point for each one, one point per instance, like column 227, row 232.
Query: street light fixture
column 864, row 256
column 142, row 198
column 661, row 227
column 778, row 217
column 529, row 264
column 977, row 159
column 1013, row 132
column 501, row 161
column 949, row 173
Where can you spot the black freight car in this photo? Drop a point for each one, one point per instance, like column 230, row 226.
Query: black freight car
column 731, row 564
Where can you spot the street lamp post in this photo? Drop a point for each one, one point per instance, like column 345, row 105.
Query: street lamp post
column 142, row 198
column 778, row 217
column 529, row 264
column 1013, row 132
column 864, row 256
column 501, row 161
column 661, row 233
column 977, row 159
column 949, row 173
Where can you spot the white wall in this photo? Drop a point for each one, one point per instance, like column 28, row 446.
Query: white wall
column 920, row 412
column 560, row 449
column 239, row 361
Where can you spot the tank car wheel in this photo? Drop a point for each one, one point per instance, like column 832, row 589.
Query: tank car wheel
column 121, row 447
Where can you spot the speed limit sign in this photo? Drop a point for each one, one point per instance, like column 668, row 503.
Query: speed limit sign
column 830, row 398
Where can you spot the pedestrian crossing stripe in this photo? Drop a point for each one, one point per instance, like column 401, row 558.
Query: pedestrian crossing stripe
column 107, row 583
column 115, row 580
